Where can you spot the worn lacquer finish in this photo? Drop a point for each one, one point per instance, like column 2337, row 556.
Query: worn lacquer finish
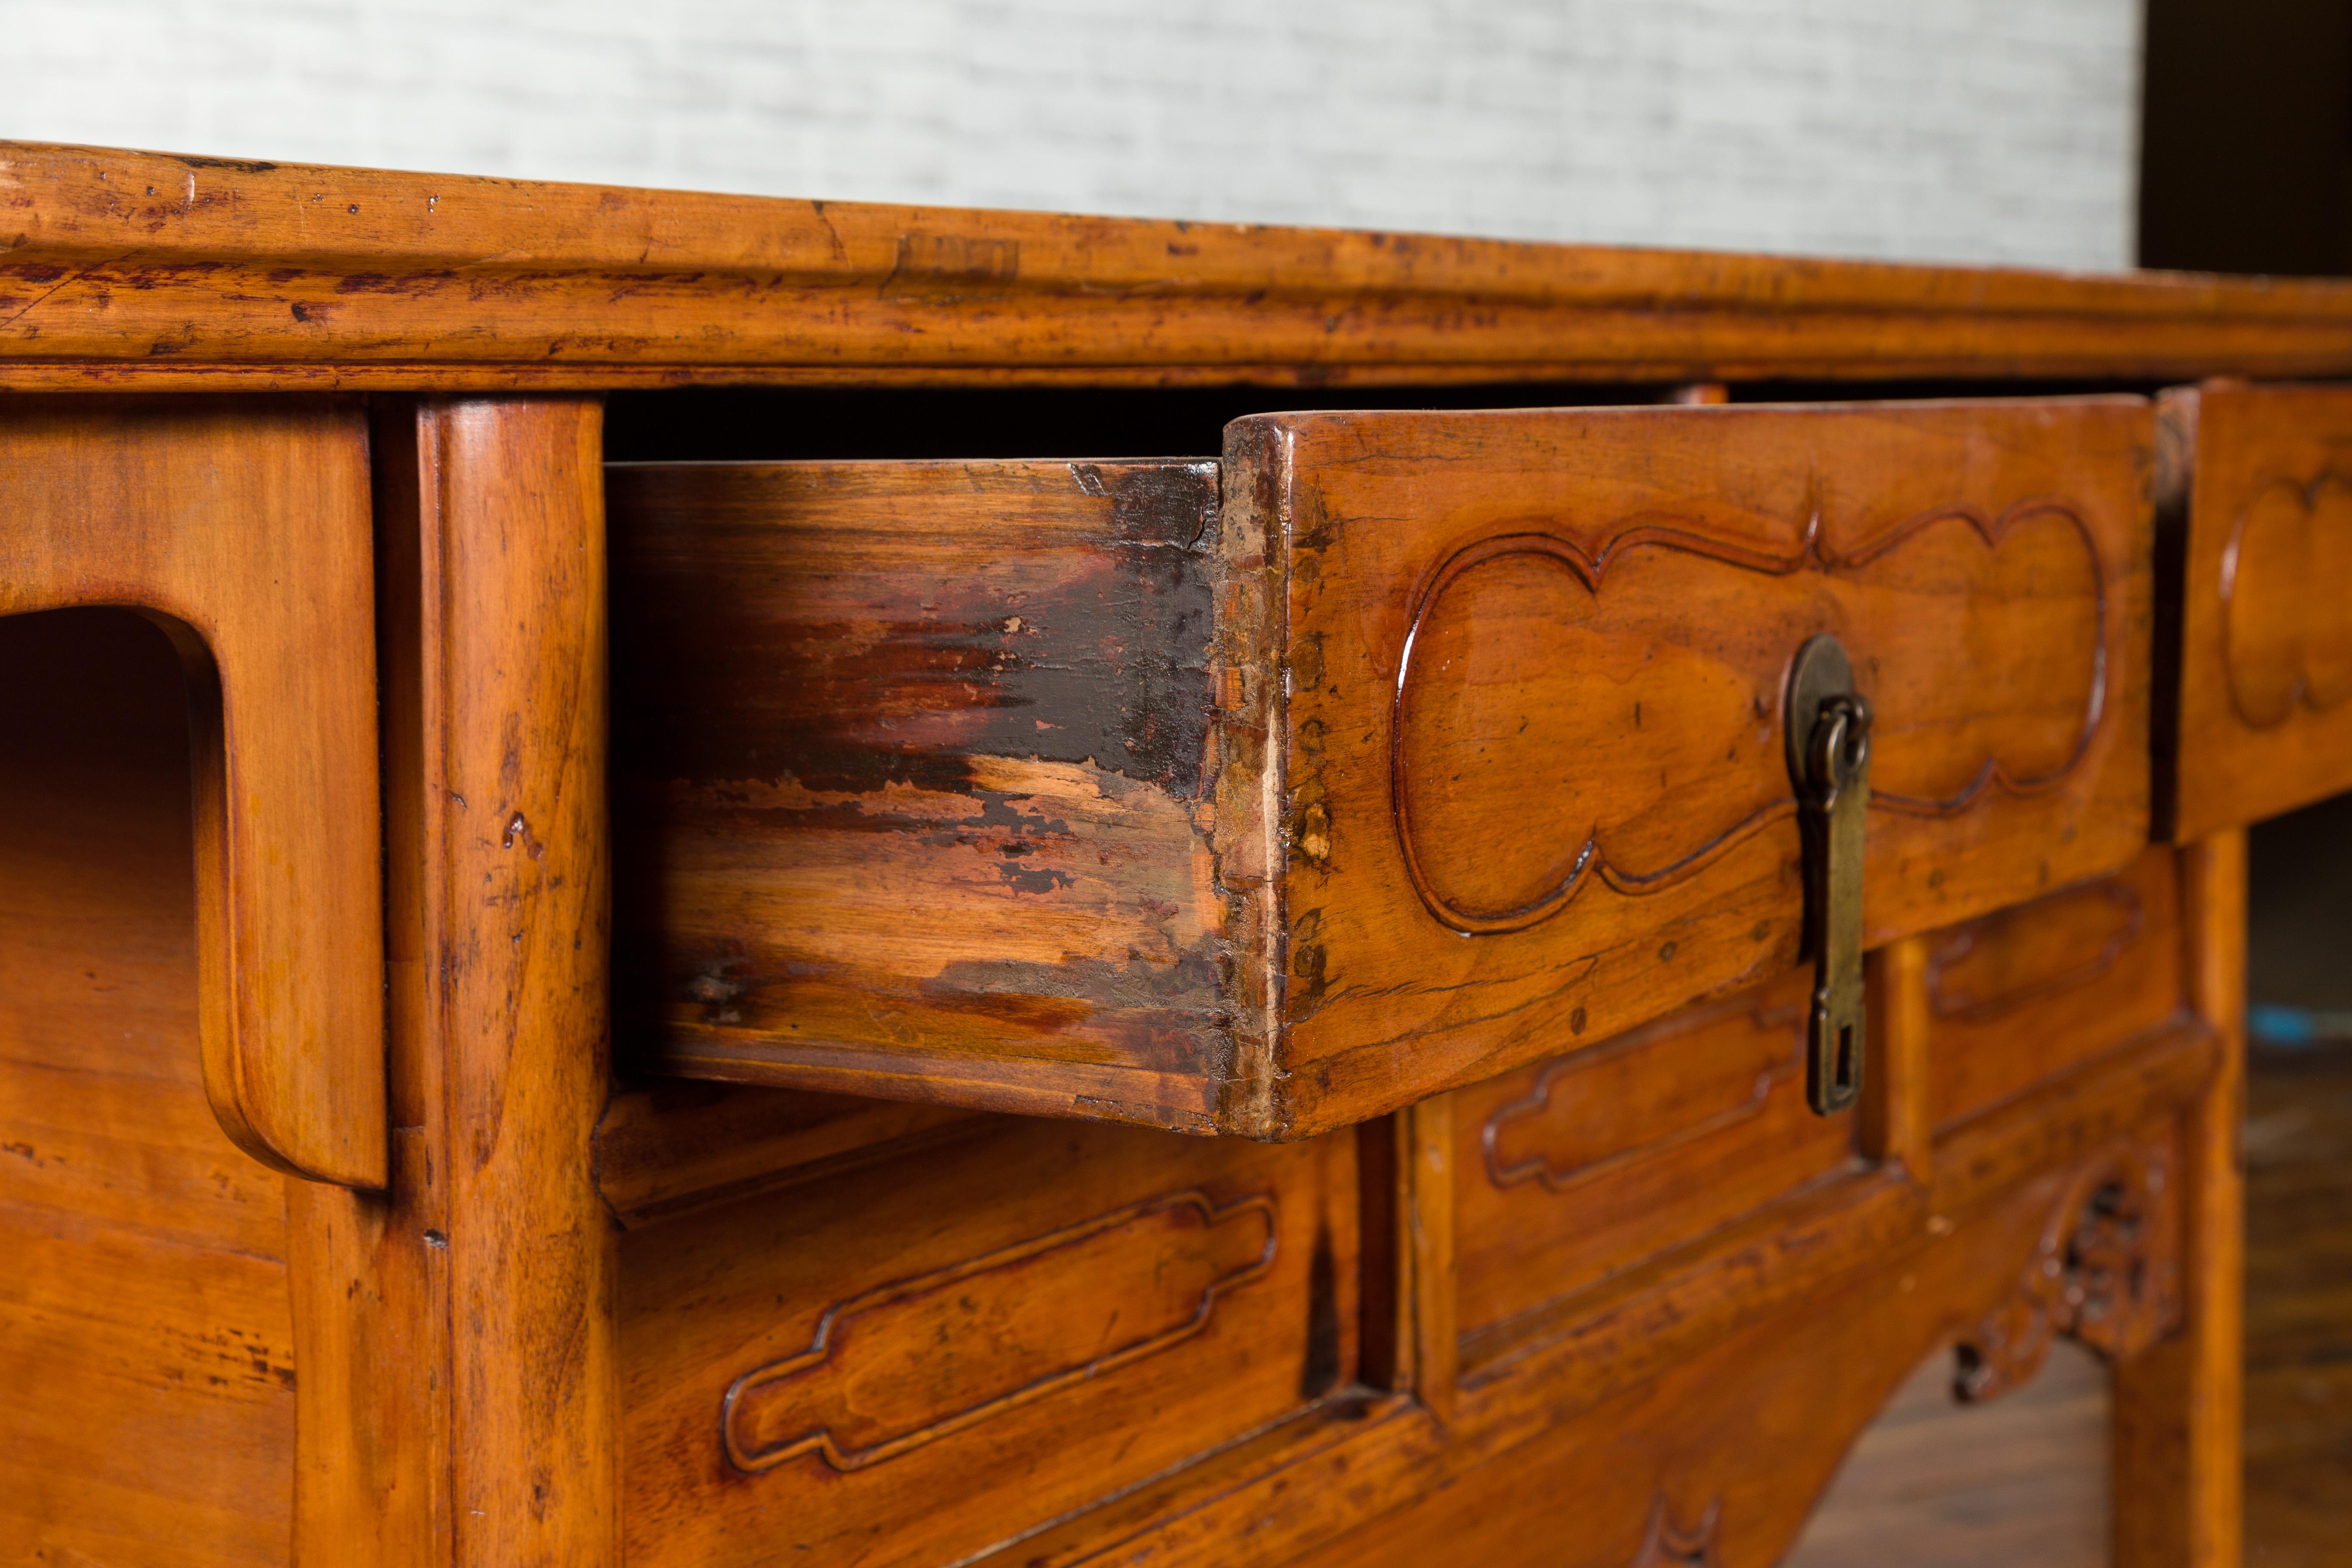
column 1010, row 1327
column 146, row 1354
column 242, row 527
column 911, row 764
column 206, row 272
column 1531, row 785
column 2265, row 638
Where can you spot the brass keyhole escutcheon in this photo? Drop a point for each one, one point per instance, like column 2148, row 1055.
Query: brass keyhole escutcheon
column 1827, row 731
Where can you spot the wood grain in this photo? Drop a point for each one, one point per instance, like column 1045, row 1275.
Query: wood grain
column 1784, row 1282
column 1012, row 1326
column 2021, row 994
column 1577, row 1169
column 2025, row 1483
column 911, row 759
column 1056, row 788
column 243, row 528
column 485, row 1277
column 206, row 272
column 145, row 1345
column 2180, row 1411
column 1722, row 1458
column 1535, row 663
column 2265, row 696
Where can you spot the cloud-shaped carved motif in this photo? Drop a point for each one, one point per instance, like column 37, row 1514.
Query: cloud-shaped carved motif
column 2286, row 600
column 1567, row 712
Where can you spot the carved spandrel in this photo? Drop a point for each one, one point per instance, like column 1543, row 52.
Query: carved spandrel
column 2285, row 571
column 1640, row 746
column 2106, row 1274
column 911, row 1363
column 1667, row 1544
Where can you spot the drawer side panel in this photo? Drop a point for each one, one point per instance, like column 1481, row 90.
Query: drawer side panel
column 909, row 764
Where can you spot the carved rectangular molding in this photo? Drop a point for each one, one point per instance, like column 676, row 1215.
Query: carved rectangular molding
column 1995, row 967
column 1649, row 1091
column 916, row 1361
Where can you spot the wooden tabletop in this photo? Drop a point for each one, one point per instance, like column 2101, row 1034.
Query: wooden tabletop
column 122, row 268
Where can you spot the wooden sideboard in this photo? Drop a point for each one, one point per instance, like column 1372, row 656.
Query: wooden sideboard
column 1349, row 992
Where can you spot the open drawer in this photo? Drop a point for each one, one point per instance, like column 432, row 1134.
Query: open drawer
column 1394, row 750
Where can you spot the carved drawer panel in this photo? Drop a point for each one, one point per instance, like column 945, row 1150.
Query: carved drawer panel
column 2266, row 715
column 973, row 1340
column 1572, row 1171
column 1394, row 751
column 2023, row 995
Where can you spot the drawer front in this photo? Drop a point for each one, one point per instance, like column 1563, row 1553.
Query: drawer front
column 2266, row 716
column 912, row 1361
column 1533, row 782
column 2023, row 995
column 1574, row 1170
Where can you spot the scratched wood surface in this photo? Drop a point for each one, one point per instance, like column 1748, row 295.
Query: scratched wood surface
column 1126, row 807
column 207, row 272
column 1531, row 781
column 243, row 527
column 145, row 1343
column 484, row 1278
column 2265, row 646
column 910, row 762
column 909, row 1365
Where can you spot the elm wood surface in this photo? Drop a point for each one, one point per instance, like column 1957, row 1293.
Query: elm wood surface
column 912, row 1364
column 486, row 1279
column 2266, row 683
column 1077, row 789
column 145, row 1346
column 2179, row 1417
column 1532, row 667
column 911, row 762
column 1579, row 1168
column 242, row 526
column 2023, row 1482
column 2026, row 991
column 1721, row 1459
column 139, row 267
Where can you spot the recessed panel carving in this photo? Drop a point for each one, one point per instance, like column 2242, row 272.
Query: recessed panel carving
column 2286, row 644
column 1996, row 965
column 912, row 1361
column 1648, row 1092
column 1626, row 698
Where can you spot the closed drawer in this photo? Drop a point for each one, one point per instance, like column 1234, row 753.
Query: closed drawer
column 1391, row 753
column 912, row 1361
column 1573, row 1171
column 2021, row 995
column 2265, row 694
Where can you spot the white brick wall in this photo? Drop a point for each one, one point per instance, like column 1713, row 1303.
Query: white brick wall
column 1961, row 129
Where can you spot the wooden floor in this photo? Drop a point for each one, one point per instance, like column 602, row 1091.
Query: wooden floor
column 2299, row 1308
column 2021, row 1482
